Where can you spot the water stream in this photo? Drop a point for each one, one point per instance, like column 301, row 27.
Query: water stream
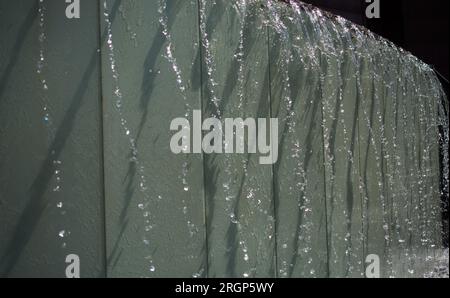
column 145, row 200
column 379, row 109
column 48, row 120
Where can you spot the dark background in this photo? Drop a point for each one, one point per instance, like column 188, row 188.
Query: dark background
column 418, row 26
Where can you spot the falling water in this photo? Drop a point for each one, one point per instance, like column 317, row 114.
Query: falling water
column 145, row 201
column 242, row 11
column 398, row 82
column 209, row 59
column 231, row 170
column 379, row 114
column 48, row 119
column 181, row 85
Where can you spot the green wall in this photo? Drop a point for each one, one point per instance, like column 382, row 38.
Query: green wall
column 29, row 219
column 340, row 179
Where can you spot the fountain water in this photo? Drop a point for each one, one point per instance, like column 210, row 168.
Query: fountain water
column 146, row 201
column 48, row 117
column 381, row 113
column 358, row 170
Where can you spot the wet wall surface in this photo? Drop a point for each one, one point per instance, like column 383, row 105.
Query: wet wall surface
column 86, row 168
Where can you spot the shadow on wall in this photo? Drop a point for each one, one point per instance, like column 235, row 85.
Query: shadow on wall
column 38, row 202
column 213, row 169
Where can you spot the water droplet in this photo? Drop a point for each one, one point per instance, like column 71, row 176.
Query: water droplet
column 233, row 218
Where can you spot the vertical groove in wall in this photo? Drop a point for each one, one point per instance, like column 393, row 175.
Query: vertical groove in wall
column 200, row 49
column 102, row 142
column 273, row 165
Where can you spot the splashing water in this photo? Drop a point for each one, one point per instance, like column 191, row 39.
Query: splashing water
column 209, row 59
column 399, row 110
column 47, row 115
column 232, row 174
column 180, row 82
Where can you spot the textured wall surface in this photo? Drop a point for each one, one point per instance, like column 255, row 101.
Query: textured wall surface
column 358, row 166
column 172, row 219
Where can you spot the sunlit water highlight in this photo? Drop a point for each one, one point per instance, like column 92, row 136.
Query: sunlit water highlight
column 387, row 152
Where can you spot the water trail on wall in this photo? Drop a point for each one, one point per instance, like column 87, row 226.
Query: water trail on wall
column 209, row 59
column 371, row 108
column 287, row 114
column 396, row 188
column 242, row 11
column 283, row 32
column 392, row 161
column 329, row 67
column 310, row 62
column 408, row 163
column 239, row 56
column 354, row 46
column 394, row 158
column 145, row 200
column 48, row 119
column 354, row 262
column 354, row 239
column 169, row 54
column 437, row 256
column 368, row 52
column 292, row 48
column 181, row 85
column 231, row 173
column 327, row 49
